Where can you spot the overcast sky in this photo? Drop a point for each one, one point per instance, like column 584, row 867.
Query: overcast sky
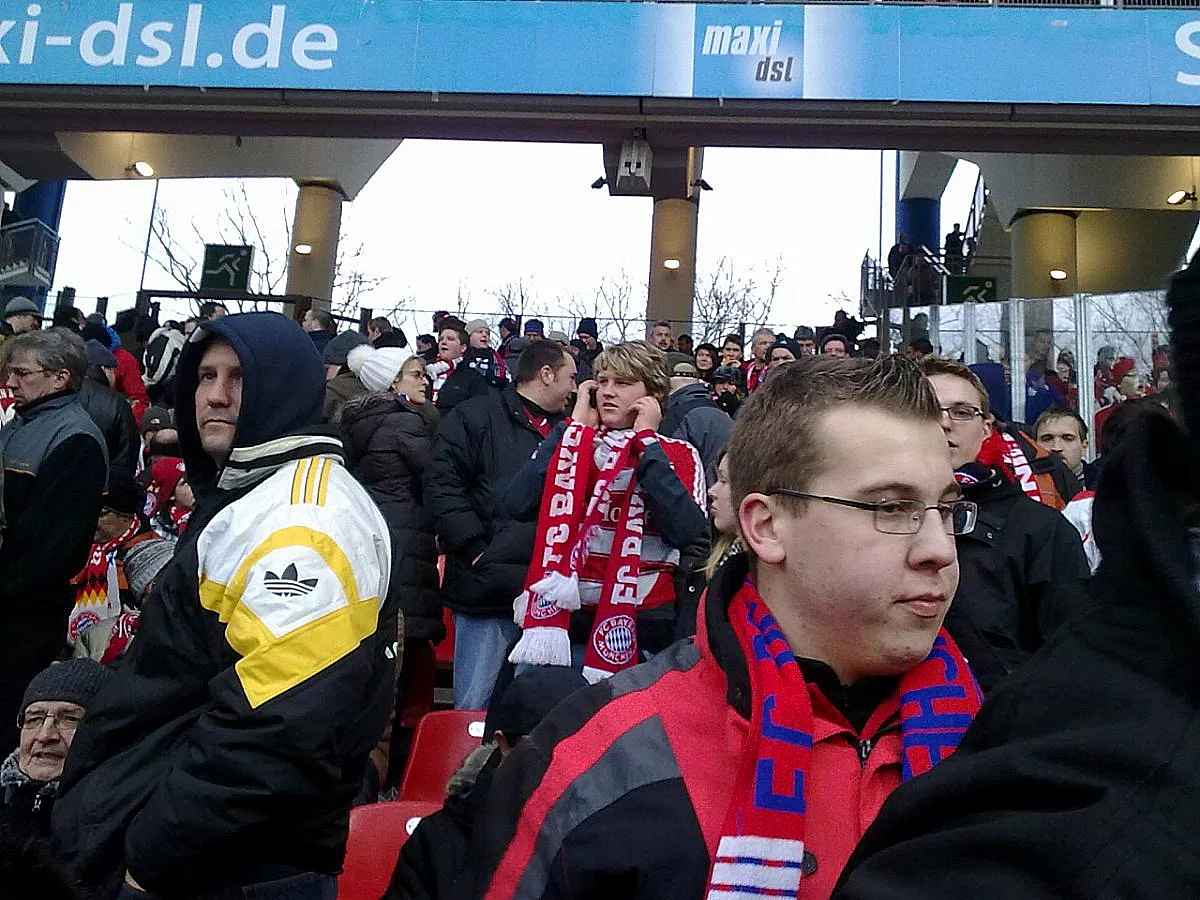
column 442, row 217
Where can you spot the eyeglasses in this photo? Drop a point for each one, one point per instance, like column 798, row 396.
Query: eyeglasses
column 25, row 373
column 903, row 516
column 962, row 412
column 65, row 722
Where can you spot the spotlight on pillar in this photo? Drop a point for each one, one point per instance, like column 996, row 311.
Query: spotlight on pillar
column 141, row 168
column 671, row 264
column 599, row 183
column 1058, row 274
column 303, row 249
column 1178, row 198
column 702, row 184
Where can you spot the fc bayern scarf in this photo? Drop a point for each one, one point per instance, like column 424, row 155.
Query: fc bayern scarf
column 761, row 850
column 97, row 594
column 577, row 496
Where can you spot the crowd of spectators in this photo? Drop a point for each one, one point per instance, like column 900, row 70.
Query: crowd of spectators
column 720, row 601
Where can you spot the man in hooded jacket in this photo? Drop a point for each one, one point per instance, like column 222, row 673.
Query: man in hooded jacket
column 1078, row 779
column 226, row 750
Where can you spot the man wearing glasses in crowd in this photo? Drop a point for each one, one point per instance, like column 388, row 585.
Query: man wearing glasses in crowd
column 54, row 473
column 1024, row 571
column 51, row 709
column 751, row 759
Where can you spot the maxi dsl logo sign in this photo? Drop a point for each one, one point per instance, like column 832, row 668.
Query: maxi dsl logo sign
column 758, row 53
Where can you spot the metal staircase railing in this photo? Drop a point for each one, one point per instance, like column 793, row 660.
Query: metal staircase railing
column 28, row 254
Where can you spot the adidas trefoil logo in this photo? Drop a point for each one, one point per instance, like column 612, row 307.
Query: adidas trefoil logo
column 289, row 584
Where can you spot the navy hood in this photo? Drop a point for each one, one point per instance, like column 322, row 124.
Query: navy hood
column 283, row 385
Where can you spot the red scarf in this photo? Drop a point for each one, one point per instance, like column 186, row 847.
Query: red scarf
column 761, row 850
column 123, row 631
column 576, row 498
column 94, row 601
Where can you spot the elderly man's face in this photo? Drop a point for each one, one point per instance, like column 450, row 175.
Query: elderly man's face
column 47, row 730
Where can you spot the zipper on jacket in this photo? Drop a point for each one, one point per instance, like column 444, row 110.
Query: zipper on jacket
column 864, row 750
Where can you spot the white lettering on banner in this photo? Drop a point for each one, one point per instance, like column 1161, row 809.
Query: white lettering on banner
column 152, row 41
column 274, row 35
column 1184, row 40
column 314, row 39
column 761, row 41
column 742, row 40
column 556, row 534
column 5, row 27
column 106, row 42
column 29, row 41
column 118, row 31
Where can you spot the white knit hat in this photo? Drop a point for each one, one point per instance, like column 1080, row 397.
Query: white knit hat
column 377, row 369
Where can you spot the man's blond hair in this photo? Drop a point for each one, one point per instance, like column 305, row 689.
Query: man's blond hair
column 776, row 438
column 939, row 365
column 639, row 361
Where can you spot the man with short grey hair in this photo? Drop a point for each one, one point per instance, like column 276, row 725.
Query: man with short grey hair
column 22, row 316
column 55, row 466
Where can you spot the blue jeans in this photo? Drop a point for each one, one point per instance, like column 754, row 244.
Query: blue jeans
column 303, row 886
column 480, row 645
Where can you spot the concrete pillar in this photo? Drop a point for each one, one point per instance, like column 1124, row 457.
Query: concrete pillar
column 920, row 219
column 1043, row 241
column 317, row 224
column 673, row 238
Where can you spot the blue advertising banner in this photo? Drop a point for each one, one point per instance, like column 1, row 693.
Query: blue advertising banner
column 709, row 50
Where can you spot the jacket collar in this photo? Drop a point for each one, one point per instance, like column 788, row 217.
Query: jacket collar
column 248, row 466
column 43, row 405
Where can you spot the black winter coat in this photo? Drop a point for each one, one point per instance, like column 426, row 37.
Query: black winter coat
column 480, row 446
column 387, row 450
column 1078, row 779
column 1024, row 573
column 114, row 417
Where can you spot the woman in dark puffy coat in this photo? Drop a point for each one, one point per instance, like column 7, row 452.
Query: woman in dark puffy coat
column 387, row 446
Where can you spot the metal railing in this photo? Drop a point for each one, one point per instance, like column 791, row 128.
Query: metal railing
column 974, row 223
column 28, row 254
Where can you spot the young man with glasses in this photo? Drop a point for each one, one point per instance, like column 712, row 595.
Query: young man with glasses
column 55, row 464
column 51, row 709
column 749, row 760
column 1024, row 571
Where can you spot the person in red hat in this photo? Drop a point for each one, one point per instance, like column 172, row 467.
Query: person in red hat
column 169, row 497
column 1131, row 385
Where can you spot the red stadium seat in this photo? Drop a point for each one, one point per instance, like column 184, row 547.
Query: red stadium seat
column 442, row 742
column 377, row 832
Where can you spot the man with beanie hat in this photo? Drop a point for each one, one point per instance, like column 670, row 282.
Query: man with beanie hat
column 236, row 731
column 482, row 358
column 128, row 378
column 434, row 860
column 21, row 316
column 55, row 465
column 102, row 589
column 534, row 330
column 341, row 384
column 51, row 710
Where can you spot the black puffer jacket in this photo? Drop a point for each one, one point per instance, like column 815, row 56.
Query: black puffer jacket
column 114, row 417
column 480, row 446
column 387, row 450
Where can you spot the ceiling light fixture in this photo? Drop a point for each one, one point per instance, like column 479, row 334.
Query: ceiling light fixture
column 1058, row 274
column 671, row 264
column 599, row 183
column 1178, row 198
column 141, row 168
column 303, row 249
